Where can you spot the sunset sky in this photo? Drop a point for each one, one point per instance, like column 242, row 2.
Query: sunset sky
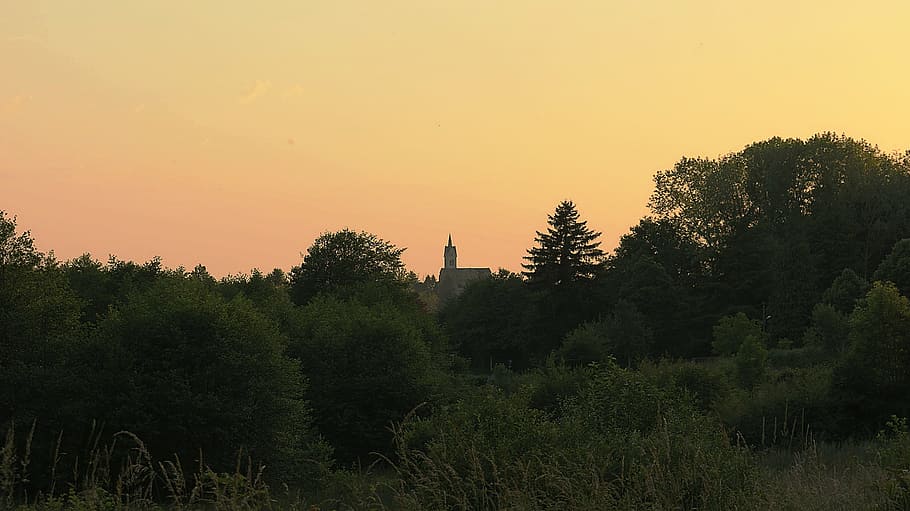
column 232, row 133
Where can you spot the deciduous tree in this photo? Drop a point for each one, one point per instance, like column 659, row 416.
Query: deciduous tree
column 39, row 326
column 186, row 370
column 731, row 331
column 338, row 260
column 871, row 381
column 896, row 267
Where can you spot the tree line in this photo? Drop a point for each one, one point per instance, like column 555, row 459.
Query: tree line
column 764, row 231
column 782, row 270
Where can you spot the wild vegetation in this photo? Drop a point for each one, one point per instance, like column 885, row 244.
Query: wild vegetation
column 745, row 346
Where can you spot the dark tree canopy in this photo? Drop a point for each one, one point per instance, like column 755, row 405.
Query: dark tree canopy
column 765, row 248
column 896, row 267
column 622, row 335
column 778, row 221
column 872, row 379
column 663, row 241
column 731, row 331
column 338, row 260
column 368, row 366
column 880, row 337
column 566, row 253
column 851, row 192
column 186, row 370
column 16, row 251
column 492, row 319
column 39, row 323
column 101, row 286
column 660, row 270
column 846, row 289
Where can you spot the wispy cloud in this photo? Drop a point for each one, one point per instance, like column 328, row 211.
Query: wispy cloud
column 293, row 91
column 259, row 88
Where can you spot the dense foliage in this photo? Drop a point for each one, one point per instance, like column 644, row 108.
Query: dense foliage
column 183, row 368
column 338, row 260
column 566, row 253
column 368, row 367
column 745, row 346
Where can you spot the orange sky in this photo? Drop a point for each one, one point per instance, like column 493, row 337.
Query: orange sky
column 232, row 133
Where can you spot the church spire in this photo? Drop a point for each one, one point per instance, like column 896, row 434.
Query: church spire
column 450, row 256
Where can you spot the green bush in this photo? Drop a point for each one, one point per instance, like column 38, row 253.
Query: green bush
column 844, row 292
column 806, row 356
column 622, row 336
column 705, row 383
column 829, row 329
column 585, row 344
column 367, row 367
column 550, row 387
column 622, row 442
column 789, row 406
column 731, row 331
column 186, row 370
column 493, row 452
column 750, row 361
column 896, row 267
column 894, row 455
column 872, row 378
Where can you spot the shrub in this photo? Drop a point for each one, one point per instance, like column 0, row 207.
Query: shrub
column 894, row 455
column 896, row 266
column 750, row 361
column 731, row 331
column 550, row 387
column 706, row 384
column 806, row 356
column 789, row 406
column 844, row 292
column 367, row 366
column 186, row 370
column 873, row 377
column 829, row 329
column 587, row 343
column 621, row 443
column 493, row 453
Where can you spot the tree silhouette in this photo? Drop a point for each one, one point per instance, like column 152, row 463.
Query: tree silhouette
column 565, row 253
column 339, row 260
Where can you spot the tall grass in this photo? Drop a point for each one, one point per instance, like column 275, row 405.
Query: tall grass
column 486, row 483
column 473, row 462
column 669, row 473
column 122, row 475
column 821, row 477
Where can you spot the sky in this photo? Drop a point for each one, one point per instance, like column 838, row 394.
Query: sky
column 233, row 133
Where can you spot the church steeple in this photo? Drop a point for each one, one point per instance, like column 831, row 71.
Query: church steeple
column 450, row 255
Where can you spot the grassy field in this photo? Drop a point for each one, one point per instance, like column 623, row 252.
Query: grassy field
column 123, row 475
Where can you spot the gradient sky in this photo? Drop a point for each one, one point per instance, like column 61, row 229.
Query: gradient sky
column 232, row 133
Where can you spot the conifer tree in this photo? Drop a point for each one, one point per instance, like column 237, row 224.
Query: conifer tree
column 566, row 253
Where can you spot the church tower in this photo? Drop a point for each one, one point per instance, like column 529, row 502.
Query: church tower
column 452, row 279
column 450, row 255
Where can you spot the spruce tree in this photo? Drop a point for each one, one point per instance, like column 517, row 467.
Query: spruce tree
column 566, row 253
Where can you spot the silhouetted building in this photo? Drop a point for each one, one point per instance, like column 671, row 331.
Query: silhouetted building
column 452, row 279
